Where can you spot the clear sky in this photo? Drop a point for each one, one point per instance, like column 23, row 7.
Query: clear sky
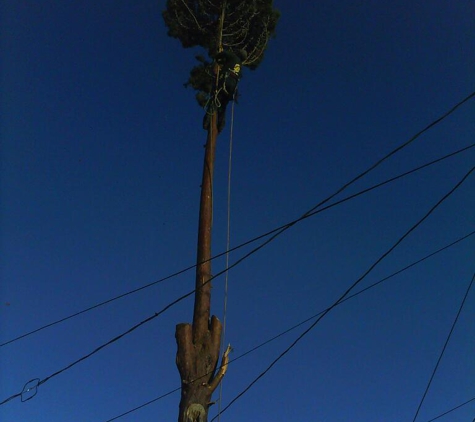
column 101, row 156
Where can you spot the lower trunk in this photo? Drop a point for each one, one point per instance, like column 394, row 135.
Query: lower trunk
column 197, row 362
column 198, row 343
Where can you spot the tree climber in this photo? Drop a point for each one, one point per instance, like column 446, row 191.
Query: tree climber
column 230, row 65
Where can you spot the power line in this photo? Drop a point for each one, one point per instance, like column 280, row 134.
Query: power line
column 443, row 348
column 399, row 148
column 254, row 348
column 379, row 260
column 177, row 389
column 44, row 380
column 317, row 211
column 357, row 294
column 145, row 404
column 451, row 410
column 277, row 232
column 305, row 332
column 312, row 317
column 97, row 305
column 311, row 212
column 192, row 291
column 108, row 343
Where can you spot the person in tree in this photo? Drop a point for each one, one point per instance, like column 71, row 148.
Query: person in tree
column 229, row 74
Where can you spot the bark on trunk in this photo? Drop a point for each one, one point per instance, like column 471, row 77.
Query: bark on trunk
column 198, row 343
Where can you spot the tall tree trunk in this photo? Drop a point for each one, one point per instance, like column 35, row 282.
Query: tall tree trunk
column 198, row 343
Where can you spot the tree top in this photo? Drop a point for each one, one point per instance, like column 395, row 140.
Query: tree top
column 223, row 24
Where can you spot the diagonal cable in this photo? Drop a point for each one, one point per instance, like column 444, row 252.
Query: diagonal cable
column 309, row 319
column 293, row 344
column 381, row 258
column 451, row 410
column 279, row 229
column 319, row 210
column 444, row 347
column 355, row 294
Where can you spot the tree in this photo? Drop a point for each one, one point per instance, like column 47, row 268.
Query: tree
column 214, row 25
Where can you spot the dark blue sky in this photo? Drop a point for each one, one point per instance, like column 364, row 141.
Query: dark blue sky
column 101, row 155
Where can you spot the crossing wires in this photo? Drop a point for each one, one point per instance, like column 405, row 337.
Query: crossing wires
column 443, row 348
column 275, row 232
column 349, row 289
column 155, row 315
column 299, row 324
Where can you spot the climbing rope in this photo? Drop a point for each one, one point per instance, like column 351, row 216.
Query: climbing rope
column 228, row 230
column 228, row 246
column 228, row 234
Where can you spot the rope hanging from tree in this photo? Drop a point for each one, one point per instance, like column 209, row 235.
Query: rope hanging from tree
column 228, row 246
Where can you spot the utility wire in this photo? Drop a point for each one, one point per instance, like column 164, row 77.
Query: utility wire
column 104, row 345
column 385, row 254
column 308, row 213
column 283, row 228
column 88, row 355
column 277, row 230
column 355, row 294
column 399, row 148
column 312, row 317
column 145, row 404
column 192, row 291
column 98, row 305
column 451, row 410
column 443, row 348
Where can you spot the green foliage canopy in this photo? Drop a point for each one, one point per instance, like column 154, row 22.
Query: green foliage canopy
column 235, row 25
